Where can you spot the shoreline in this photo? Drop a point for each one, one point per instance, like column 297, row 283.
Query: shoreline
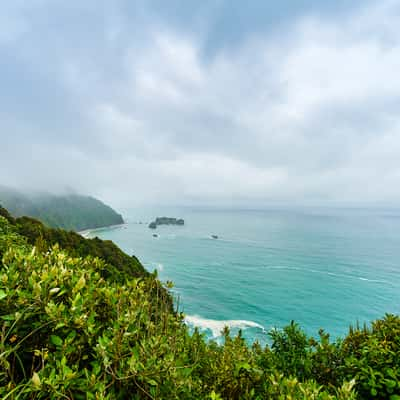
column 86, row 232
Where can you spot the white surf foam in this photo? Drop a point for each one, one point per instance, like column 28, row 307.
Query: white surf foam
column 217, row 326
column 372, row 280
column 160, row 267
column 315, row 271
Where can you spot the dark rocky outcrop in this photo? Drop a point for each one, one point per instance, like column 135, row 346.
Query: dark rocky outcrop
column 152, row 225
column 166, row 221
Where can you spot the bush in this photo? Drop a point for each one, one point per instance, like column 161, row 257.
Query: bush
column 372, row 356
column 291, row 351
column 77, row 335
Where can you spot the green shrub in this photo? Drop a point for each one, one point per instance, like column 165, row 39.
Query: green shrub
column 77, row 335
column 327, row 361
column 372, row 356
column 291, row 351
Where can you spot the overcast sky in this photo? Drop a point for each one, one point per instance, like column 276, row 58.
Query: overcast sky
column 202, row 102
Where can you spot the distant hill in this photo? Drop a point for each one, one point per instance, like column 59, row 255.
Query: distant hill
column 71, row 212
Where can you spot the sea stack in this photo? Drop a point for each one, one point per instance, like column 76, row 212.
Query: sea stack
column 166, row 221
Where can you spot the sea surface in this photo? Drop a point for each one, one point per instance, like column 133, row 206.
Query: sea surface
column 323, row 268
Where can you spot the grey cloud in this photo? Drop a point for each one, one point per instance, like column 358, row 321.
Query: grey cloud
column 126, row 101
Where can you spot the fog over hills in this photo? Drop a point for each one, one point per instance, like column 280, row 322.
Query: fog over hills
column 68, row 211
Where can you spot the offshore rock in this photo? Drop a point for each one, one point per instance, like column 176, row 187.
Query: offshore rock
column 166, row 221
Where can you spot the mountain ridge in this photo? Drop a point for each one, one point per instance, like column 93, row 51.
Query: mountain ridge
column 69, row 211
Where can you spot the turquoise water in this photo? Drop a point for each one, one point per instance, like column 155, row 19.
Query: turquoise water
column 322, row 268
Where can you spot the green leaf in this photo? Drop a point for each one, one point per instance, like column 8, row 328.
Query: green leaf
column 241, row 366
column 71, row 336
column 56, row 340
column 9, row 317
column 3, row 294
column 390, row 383
column 36, row 380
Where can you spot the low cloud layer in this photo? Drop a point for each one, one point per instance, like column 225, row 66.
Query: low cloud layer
column 135, row 106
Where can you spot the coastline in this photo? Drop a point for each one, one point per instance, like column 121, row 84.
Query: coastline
column 86, row 232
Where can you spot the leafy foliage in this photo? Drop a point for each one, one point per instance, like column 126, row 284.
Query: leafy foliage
column 67, row 330
column 290, row 350
column 373, row 357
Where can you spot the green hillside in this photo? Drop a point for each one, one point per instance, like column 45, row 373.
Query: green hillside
column 81, row 320
column 71, row 212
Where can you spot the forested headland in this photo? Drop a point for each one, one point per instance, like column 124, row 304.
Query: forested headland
column 69, row 211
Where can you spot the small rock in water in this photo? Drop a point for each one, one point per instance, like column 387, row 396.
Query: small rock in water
column 214, row 236
column 155, row 235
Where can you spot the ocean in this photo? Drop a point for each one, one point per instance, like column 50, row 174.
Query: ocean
column 322, row 268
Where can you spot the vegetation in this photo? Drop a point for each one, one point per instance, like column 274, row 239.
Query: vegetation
column 69, row 331
column 76, row 245
column 72, row 212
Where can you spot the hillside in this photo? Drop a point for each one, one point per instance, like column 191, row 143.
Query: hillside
column 35, row 233
column 71, row 212
column 75, row 326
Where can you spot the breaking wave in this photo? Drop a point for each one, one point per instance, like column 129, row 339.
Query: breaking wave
column 217, row 326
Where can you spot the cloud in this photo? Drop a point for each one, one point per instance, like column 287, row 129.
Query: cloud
column 309, row 114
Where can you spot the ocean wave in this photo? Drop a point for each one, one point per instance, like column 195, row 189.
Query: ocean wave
column 160, row 267
column 372, row 280
column 217, row 326
column 315, row 271
column 153, row 265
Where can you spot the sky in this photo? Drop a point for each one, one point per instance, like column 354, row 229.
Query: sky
column 223, row 102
